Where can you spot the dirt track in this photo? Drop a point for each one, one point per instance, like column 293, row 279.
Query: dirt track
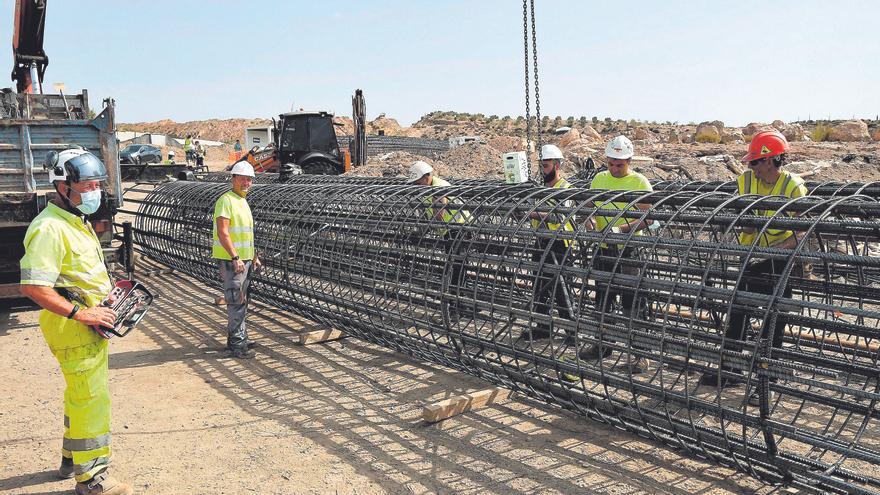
column 339, row 417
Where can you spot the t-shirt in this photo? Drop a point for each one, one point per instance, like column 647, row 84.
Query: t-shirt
column 632, row 182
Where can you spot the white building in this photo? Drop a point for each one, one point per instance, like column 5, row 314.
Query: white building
column 258, row 136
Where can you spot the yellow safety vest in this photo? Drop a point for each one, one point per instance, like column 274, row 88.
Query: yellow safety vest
column 241, row 226
column 789, row 185
column 549, row 220
column 448, row 214
column 632, row 182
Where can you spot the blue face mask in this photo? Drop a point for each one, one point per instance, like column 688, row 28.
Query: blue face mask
column 91, row 201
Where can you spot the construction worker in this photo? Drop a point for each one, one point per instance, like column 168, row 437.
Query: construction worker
column 764, row 177
column 613, row 257
column 234, row 248
column 199, row 153
column 170, row 160
column 63, row 272
column 551, row 251
column 441, row 209
column 188, row 149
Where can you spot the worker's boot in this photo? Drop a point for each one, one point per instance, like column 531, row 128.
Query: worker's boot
column 66, row 470
column 103, row 484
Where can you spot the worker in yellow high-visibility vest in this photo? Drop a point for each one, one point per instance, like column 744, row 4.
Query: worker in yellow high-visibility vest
column 63, row 271
column 617, row 258
column 551, row 288
column 764, row 177
column 443, row 209
column 237, row 259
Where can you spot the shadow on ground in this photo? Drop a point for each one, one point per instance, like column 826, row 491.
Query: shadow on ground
column 363, row 403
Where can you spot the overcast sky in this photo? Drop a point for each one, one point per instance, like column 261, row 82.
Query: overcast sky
column 738, row 61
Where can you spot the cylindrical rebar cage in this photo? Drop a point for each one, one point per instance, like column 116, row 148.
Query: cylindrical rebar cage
column 684, row 330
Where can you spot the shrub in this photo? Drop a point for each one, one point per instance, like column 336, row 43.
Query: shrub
column 820, row 133
column 707, row 137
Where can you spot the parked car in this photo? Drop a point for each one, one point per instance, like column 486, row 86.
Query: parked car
column 140, row 153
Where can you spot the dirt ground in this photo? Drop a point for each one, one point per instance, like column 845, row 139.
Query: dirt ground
column 339, row 417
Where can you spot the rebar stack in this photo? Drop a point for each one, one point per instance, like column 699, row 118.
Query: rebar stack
column 497, row 294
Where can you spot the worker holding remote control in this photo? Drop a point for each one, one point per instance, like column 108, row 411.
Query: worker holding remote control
column 63, row 271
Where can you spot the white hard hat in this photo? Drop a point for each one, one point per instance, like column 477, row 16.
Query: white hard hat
column 418, row 170
column 619, row 148
column 551, row 152
column 242, row 168
column 171, row 153
column 76, row 165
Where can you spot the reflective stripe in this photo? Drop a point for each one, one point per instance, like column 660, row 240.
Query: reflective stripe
column 91, row 466
column 240, row 230
column 38, row 275
column 86, row 444
column 235, row 244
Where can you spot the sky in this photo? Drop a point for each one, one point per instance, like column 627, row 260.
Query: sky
column 686, row 61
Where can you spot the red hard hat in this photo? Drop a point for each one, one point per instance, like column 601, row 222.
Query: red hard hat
column 766, row 144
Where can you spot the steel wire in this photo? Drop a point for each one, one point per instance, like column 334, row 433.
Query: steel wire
column 367, row 258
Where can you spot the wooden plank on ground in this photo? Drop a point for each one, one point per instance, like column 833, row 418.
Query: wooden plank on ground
column 463, row 403
column 316, row 336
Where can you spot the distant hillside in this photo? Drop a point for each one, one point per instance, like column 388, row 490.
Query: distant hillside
column 227, row 130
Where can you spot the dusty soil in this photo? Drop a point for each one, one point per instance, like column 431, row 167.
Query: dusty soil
column 340, row 417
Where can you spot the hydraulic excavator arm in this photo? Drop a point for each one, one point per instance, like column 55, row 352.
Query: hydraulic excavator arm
column 27, row 45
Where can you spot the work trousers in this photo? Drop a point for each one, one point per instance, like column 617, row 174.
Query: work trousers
column 760, row 277
column 235, row 291
column 82, row 354
column 456, row 266
column 605, row 261
column 550, row 287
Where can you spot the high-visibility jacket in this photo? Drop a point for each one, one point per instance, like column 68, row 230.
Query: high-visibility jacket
column 632, row 182
column 449, row 213
column 187, row 144
column 554, row 221
column 788, row 184
column 241, row 226
column 62, row 251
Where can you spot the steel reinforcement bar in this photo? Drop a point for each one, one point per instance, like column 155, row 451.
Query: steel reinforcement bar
column 634, row 329
column 825, row 189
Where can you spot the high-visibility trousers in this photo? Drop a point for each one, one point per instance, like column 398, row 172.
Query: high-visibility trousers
column 82, row 354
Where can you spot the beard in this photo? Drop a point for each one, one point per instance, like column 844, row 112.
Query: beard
column 548, row 178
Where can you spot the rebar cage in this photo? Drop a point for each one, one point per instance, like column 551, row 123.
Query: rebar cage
column 629, row 328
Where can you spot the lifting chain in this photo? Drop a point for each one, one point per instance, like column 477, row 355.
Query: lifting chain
column 526, row 61
column 526, row 18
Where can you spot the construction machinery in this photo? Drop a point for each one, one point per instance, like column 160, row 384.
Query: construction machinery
column 306, row 143
column 32, row 125
column 304, row 139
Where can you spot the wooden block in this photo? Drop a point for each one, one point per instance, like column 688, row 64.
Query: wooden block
column 463, row 403
column 317, row 336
